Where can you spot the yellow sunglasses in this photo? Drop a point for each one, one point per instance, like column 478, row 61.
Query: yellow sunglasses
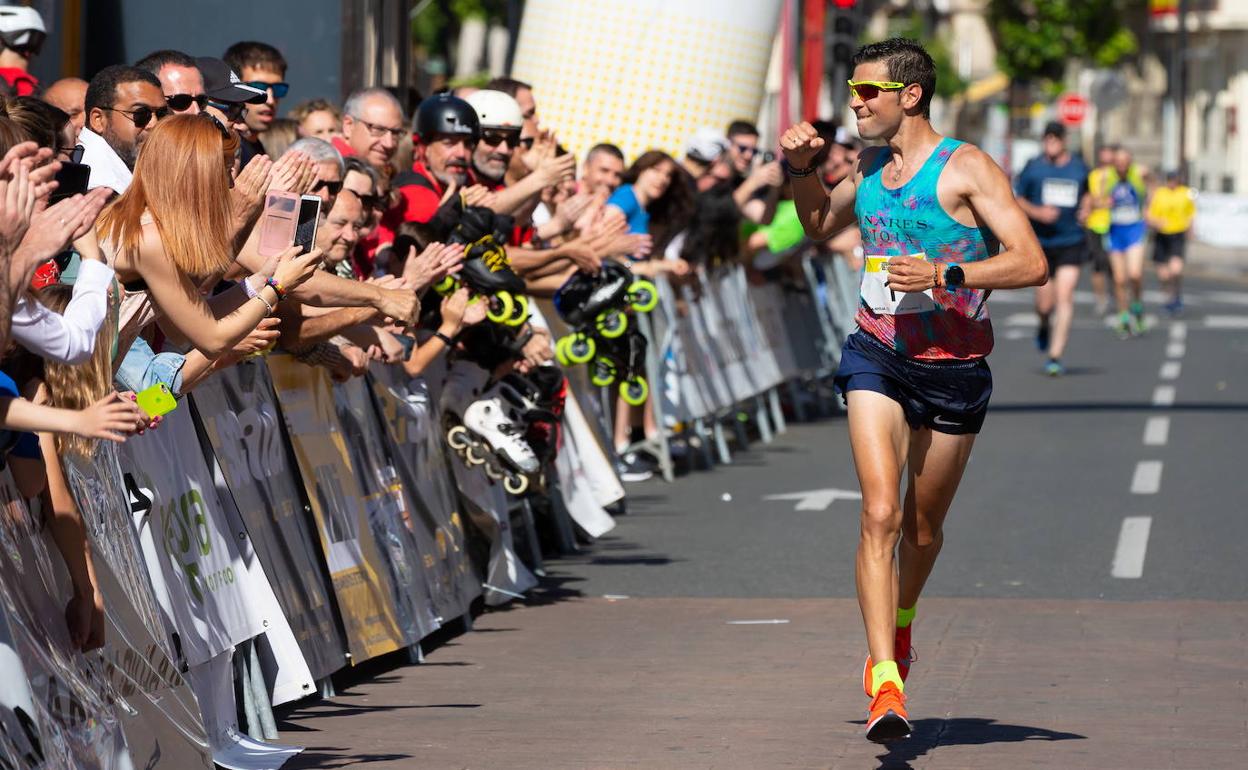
column 867, row 90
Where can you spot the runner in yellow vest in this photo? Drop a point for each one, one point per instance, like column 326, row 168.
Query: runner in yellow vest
column 1097, row 225
column 1171, row 209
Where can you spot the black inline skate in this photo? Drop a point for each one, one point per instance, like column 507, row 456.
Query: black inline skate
column 487, row 271
column 597, row 307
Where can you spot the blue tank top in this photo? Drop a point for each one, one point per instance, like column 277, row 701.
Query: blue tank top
column 909, row 220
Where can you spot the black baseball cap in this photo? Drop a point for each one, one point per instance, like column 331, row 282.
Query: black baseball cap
column 1053, row 128
column 222, row 84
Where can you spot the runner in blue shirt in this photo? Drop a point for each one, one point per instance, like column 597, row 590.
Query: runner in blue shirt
column 1053, row 190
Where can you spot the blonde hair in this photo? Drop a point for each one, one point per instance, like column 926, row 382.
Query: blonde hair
column 79, row 386
column 182, row 178
column 281, row 134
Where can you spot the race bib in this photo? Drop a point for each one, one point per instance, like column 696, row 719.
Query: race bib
column 1124, row 215
column 1062, row 193
column 885, row 301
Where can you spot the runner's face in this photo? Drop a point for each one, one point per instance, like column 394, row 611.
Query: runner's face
column 1122, row 161
column 1053, row 146
column 881, row 115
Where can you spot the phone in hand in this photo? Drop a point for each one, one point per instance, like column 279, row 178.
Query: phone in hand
column 768, row 156
column 70, row 180
column 157, row 400
column 309, row 218
column 278, row 223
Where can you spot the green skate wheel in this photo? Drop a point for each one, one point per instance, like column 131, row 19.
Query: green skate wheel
column 446, row 286
column 634, row 391
column 612, row 324
column 645, row 295
column 581, row 349
column 515, row 483
column 561, row 351
column 519, row 311
column 500, row 313
column 604, row 372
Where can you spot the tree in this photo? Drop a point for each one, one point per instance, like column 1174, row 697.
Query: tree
column 1036, row 39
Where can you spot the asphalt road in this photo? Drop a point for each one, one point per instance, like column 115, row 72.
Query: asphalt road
column 1088, row 610
column 1040, row 511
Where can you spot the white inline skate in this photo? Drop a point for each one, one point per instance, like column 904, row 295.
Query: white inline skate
column 492, row 436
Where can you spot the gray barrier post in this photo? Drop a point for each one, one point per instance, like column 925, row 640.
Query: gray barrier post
column 264, row 706
column 764, row 421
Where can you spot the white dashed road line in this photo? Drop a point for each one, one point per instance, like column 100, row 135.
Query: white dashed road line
column 1132, row 544
column 1178, row 331
column 1163, row 395
column 1225, row 322
column 1176, row 350
column 1170, row 370
column 1147, row 477
column 1157, row 431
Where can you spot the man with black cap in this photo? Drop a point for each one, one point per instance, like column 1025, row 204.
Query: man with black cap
column 227, row 95
column 1053, row 191
column 446, row 131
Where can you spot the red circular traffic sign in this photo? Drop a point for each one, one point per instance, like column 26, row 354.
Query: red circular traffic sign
column 1072, row 109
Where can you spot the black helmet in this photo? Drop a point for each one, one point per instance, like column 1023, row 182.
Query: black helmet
column 446, row 114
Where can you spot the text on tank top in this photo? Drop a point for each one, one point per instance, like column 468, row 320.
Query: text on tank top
column 910, row 221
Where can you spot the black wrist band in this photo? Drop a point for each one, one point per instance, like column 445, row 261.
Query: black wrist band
column 448, row 341
column 798, row 173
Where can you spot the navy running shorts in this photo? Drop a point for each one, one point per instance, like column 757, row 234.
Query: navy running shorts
column 946, row 396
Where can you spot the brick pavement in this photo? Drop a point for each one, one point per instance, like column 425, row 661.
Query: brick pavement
column 589, row 684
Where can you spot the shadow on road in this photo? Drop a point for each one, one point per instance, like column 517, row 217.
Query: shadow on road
column 328, row 761
column 961, row 731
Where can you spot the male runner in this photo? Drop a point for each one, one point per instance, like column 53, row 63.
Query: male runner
column 1171, row 210
column 932, row 211
column 1125, row 197
column 1052, row 188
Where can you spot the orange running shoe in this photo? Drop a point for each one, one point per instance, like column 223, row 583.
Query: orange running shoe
column 903, row 654
column 887, row 719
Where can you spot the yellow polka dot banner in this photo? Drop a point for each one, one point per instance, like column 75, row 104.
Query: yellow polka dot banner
column 644, row 74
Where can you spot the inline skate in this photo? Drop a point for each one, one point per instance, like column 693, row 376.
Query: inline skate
column 598, row 310
column 491, row 435
column 487, row 272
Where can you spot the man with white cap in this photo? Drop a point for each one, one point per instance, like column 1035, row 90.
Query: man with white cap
column 501, row 120
column 703, row 155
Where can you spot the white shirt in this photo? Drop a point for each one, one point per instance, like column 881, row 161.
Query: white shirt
column 107, row 167
column 67, row 338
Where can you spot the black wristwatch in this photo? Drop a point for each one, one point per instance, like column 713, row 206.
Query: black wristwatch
column 954, row 277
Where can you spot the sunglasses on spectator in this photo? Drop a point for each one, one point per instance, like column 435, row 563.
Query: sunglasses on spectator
column 745, row 149
column 225, row 132
column 333, row 187
column 528, row 142
column 510, row 138
column 867, row 90
column 376, row 131
column 233, row 110
column 183, row 102
column 373, row 201
column 279, row 89
column 142, row 115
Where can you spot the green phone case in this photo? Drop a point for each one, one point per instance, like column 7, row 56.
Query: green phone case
column 157, row 401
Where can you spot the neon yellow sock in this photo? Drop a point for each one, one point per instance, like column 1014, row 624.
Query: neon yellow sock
column 905, row 616
column 886, row 671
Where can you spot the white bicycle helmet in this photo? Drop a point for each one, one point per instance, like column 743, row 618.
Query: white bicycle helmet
column 22, row 27
column 496, row 109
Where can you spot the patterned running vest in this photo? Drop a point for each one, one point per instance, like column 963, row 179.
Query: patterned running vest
column 939, row 323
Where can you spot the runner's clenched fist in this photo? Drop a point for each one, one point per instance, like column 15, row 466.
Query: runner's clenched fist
column 801, row 143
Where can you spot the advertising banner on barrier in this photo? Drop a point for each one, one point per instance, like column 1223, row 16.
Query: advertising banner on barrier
column 137, row 665
column 239, row 414
column 770, row 301
column 388, row 508
column 415, row 441
column 485, row 502
column 192, row 549
column 365, row 597
column 88, row 708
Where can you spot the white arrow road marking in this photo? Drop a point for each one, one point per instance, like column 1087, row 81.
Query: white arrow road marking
column 817, row 499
